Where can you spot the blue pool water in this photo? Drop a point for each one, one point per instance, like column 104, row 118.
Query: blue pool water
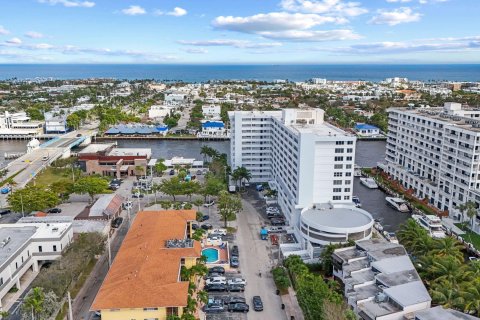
column 211, row 254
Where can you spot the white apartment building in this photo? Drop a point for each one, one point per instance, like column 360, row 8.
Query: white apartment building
column 319, row 81
column 159, row 111
column 308, row 160
column 211, row 112
column 19, row 124
column 24, row 246
column 436, row 152
column 175, row 99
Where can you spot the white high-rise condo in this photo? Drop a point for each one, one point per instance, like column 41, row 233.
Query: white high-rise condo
column 310, row 162
column 436, row 152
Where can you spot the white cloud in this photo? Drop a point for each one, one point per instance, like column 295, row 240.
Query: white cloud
column 313, row 35
column 3, row 31
column 196, row 50
column 34, row 35
column 423, row 45
column 69, row 3
column 230, row 43
column 331, row 7
column 14, row 41
column 401, row 1
column 396, row 16
column 134, row 11
column 272, row 22
column 177, row 12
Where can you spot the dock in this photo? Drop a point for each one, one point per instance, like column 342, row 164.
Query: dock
column 135, row 137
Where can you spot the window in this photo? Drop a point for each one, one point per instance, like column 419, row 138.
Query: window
column 348, row 174
column 349, row 142
column 337, row 189
column 337, row 182
column 346, row 190
column 1, row 281
column 348, row 181
column 337, row 174
column 40, row 249
column 337, row 198
column 346, row 198
column 338, row 158
column 338, row 166
column 339, row 143
column 349, row 158
column 339, row 150
column 54, row 248
column 172, row 311
column 150, row 309
column 348, row 166
column 349, row 150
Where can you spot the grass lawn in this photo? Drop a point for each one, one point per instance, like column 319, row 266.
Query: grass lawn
column 470, row 236
column 50, row 175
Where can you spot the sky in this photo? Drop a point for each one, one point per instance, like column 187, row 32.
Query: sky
column 240, row 31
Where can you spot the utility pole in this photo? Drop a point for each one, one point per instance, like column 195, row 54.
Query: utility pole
column 21, row 201
column 70, row 313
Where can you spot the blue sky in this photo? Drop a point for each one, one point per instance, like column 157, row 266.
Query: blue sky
column 240, row 31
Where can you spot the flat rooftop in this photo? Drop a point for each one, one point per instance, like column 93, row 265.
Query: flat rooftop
column 131, row 152
column 340, row 217
column 439, row 312
column 145, row 273
column 17, row 237
column 95, row 147
column 322, row 129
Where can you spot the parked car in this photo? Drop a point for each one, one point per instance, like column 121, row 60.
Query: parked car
column 233, row 299
column 241, row 281
column 277, row 222
column 217, row 279
column 54, row 210
column 45, row 158
column 172, row 172
column 222, row 232
column 257, row 303
column 235, row 287
column 5, row 211
column 194, row 226
column 275, row 230
column 238, row 307
column 117, row 222
column 259, row 187
column 199, row 172
column 114, row 187
column 127, row 205
column 204, row 218
column 5, row 190
column 215, row 287
column 206, row 226
column 234, row 252
column 219, row 270
column 209, row 204
column 213, row 308
column 138, row 195
column 234, row 263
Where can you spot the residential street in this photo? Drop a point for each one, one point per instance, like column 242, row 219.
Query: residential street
column 254, row 258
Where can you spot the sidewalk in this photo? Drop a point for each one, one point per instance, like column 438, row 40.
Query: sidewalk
column 10, row 299
column 292, row 308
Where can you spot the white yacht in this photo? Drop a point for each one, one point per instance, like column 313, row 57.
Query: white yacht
column 432, row 224
column 398, row 204
column 369, row 183
column 356, row 201
column 390, row 236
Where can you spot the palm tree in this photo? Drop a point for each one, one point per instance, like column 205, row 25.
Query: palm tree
column 414, row 238
column 244, row 174
column 444, row 294
column 449, row 269
column 471, row 210
column 448, row 246
column 471, row 296
column 462, row 207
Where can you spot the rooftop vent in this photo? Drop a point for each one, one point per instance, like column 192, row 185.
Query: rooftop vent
column 179, row 243
column 381, row 297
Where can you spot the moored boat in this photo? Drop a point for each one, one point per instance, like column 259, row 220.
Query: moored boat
column 369, row 183
column 356, row 201
column 398, row 204
column 432, row 224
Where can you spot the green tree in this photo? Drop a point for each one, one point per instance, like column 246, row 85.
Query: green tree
column 471, row 211
column 73, row 121
column 471, row 296
column 198, row 202
column 414, row 238
column 91, row 185
column 39, row 304
column 228, row 206
column 160, row 167
column 166, row 204
column 211, row 186
column 171, row 187
column 32, row 198
column 242, row 173
column 448, row 247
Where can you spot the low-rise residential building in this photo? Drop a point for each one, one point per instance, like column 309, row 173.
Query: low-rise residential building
column 159, row 111
column 366, row 130
column 25, row 246
column 175, row 99
column 211, row 112
column 108, row 160
column 213, row 129
column 144, row 280
column 55, row 124
column 379, row 281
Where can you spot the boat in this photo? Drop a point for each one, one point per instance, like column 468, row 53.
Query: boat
column 369, row 183
column 377, row 225
column 356, row 201
column 357, row 171
column 390, row 236
column 398, row 204
column 432, row 224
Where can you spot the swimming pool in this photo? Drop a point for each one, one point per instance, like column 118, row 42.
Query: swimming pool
column 211, row 254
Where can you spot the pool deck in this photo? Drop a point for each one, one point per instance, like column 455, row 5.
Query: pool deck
column 223, row 257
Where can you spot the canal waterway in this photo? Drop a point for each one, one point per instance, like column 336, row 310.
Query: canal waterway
column 368, row 153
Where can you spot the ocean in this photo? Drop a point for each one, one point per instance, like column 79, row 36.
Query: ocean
column 202, row 73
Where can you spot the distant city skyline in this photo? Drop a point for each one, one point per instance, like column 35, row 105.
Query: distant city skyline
column 246, row 31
